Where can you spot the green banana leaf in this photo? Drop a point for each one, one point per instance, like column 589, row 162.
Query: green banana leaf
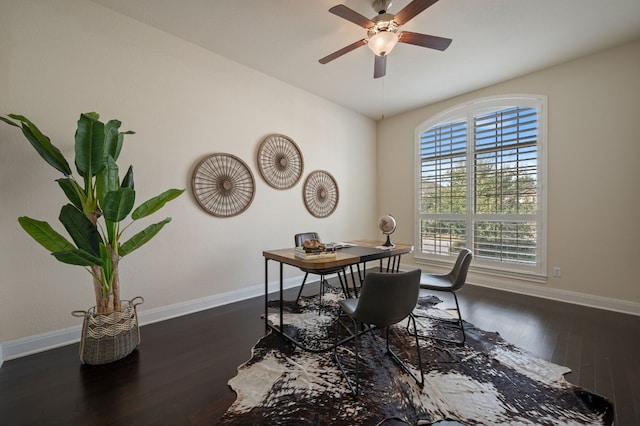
column 127, row 182
column 156, row 203
column 141, row 237
column 12, row 123
column 107, row 180
column 114, row 139
column 82, row 231
column 41, row 143
column 44, row 234
column 118, row 204
column 77, row 257
column 111, row 132
column 72, row 190
column 89, row 147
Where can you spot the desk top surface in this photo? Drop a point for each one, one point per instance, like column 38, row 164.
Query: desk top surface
column 363, row 251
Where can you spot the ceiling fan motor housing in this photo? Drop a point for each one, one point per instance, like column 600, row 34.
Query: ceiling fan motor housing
column 384, row 22
column 381, row 6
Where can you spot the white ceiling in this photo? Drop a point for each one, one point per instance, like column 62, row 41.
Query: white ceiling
column 493, row 40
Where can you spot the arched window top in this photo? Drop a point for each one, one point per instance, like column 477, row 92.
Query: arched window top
column 483, row 105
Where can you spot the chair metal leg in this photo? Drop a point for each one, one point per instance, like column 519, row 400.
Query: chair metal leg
column 302, row 286
column 357, row 362
column 344, row 284
column 401, row 363
column 458, row 322
column 355, row 390
column 353, row 280
column 393, row 263
column 323, row 285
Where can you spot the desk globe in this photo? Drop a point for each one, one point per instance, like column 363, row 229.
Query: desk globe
column 387, row 225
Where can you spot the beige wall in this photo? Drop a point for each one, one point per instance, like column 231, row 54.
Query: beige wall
column 592, row 181
column 61, row 58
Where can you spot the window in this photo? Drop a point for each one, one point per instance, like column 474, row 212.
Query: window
column 480, row 185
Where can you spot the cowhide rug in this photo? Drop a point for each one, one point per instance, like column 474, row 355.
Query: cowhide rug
column 485, row 382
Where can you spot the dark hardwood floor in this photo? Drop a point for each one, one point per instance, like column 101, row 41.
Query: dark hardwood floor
column 179, row 374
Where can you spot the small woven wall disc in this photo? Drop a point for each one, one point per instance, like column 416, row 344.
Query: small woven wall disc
column 320, row 193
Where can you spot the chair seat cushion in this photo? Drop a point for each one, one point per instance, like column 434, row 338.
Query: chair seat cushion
column 435, row 282
column 348, row 305
column 323, row 271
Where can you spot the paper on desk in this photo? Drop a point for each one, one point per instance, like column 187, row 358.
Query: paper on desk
column 340, row 245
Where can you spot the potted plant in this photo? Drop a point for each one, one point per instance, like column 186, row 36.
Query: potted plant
column 99, row 203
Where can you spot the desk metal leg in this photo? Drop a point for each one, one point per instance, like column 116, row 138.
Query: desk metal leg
column 280, row 327
column 281, row 302
column 266, row 297
column 393, row 263
column 266, row 294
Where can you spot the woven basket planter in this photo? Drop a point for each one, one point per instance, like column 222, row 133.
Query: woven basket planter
column 110, row 337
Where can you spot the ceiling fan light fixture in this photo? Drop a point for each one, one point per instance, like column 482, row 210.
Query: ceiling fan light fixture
column 383, row 42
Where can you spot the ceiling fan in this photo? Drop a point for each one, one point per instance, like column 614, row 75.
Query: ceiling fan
column 383, row 32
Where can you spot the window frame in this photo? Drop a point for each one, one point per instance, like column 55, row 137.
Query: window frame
column 467, row 111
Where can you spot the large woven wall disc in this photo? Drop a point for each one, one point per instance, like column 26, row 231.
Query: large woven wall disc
column 223, row 185
column 280, row 161
column 320, row 193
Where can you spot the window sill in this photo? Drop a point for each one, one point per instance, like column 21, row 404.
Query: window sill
column 489, row 271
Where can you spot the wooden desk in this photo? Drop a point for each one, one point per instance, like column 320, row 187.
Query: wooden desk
column 364, row 251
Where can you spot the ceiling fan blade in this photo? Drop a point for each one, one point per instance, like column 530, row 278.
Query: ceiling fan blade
column 342, row 51
column 411, row 10
column 424, row 40
column 380, row 66
column 351, row 15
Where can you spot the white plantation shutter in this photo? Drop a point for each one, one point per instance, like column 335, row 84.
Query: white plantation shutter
column 479, row 184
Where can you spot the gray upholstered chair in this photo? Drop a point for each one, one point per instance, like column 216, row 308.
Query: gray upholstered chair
column 299, row 240
column 385, row 299
column 451, row 283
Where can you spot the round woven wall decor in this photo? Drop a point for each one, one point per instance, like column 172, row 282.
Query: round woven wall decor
column 280, row 161
column 320, row 193
column 223, row 185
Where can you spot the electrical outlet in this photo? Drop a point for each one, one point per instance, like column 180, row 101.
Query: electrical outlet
column 557, row 272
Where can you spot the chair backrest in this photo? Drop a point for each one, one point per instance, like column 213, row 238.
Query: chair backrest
column 387, row 297
column 299, row 239
column 458, row 274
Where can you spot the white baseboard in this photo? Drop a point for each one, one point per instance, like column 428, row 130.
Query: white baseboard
column 13, row 349
column 41, row 342
column 539, row 289
column 592, row 301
